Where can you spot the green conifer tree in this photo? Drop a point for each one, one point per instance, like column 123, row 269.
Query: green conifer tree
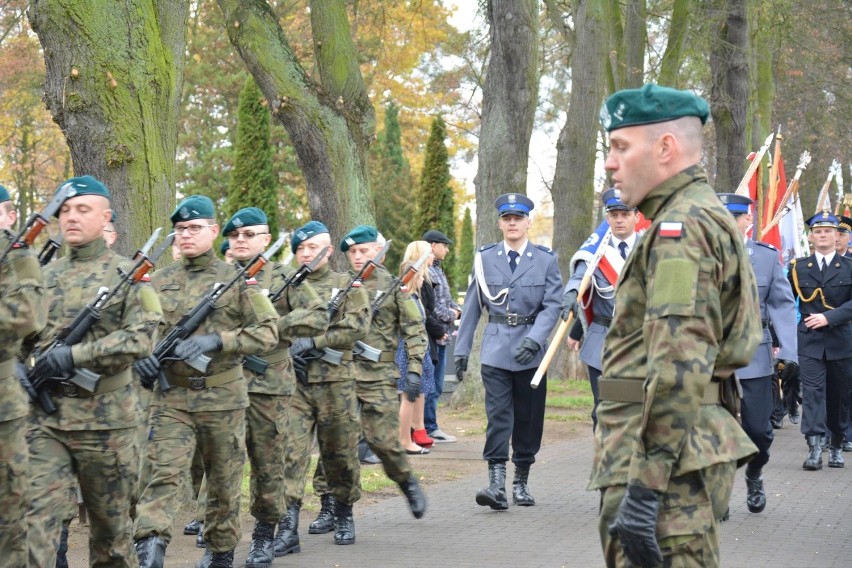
column 465, row 250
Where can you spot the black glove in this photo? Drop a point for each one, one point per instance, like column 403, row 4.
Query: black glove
column 569, row 300
column 190, row 348
column 635, row 526
column 55, row 363
column 301, row 345
column 461, row 368
column 300, row 366
column 527, row 351
column 413, row 387
column 787, row 370
column 148, row 370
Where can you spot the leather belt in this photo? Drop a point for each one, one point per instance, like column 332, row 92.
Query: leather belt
column 633, row 390
column 385, row 357
column 109, row 384
column 512, row 320
column 600, row 320
column 201, row 383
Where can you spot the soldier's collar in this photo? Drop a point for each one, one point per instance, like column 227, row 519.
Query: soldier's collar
column 203, row 260
column 88, row 250
column 319, row 272
column 660, row 195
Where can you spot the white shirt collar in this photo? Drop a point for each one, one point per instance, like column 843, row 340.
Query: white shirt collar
column 828, row 258
column 631, row 240
column 521, row 249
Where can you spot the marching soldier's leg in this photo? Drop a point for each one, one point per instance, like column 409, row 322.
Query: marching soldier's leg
column 13, row 492
column 199, row 493
column 338, row 430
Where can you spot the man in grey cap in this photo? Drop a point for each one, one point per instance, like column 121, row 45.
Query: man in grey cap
column 447, row 312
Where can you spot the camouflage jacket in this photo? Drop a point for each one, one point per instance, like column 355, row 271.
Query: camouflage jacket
column 398, row 318
column 244, row 319
column 686, row 312
column 23, row 312
column 125, row 332
column 348, row 325
column 300, row 313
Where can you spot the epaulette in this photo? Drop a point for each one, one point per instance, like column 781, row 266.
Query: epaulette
column 484, row 248
column 544, row 248
column 767, row 245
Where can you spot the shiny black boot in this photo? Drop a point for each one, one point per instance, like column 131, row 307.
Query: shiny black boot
column 494, row 495
column 324, row 523
column 814, row 460
column 216, row 560
column 756, row 496
column 262, row 550
column 287, row 539
column 415, row 496
column 344, row 524
column 520, row 490
column 835, row 452
column 151, row 552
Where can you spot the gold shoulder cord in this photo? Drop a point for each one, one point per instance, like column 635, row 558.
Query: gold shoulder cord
column 799, row 290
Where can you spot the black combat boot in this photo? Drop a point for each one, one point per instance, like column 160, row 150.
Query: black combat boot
column 324, row 523
column 262, row 551
column 287, row 539
column 344, row 524
column 756, row 497
column 494, row 495
column 151, row 552
column 814, row 460
column 62, row 551
column 835, row 451
column 416, row 498
column 216, row 560
column 199, row 538
column 193, row 527
column 520, row 491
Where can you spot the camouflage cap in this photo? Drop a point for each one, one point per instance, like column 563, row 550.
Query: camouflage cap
column 4, row 195
column 649, row 105
column 245, row 217
column 193, row 207
column 305, row 232
column 359, row 235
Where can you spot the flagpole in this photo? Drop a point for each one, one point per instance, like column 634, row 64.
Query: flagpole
column 792, row 191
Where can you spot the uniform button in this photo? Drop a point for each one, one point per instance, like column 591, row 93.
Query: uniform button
column 512, row 286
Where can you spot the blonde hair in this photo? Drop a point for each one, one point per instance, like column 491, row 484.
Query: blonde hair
column 412, row 254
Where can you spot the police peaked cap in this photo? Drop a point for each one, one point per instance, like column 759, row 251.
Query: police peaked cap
column 193, row 207
column 649, row 105
column 823, row 219
column 359, row 235
column 514, row 204
column 612, row 200
column 305, row 232
column 736, row 204
column 245, row 217
column 844, row 224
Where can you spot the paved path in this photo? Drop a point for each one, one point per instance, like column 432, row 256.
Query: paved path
column 806, row 523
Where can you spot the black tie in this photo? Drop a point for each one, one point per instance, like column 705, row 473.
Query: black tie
column 513, row 259
column 822, row 268
column 622, row 248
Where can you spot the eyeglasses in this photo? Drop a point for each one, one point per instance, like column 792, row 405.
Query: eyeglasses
column 247, row 235
column 191, row 229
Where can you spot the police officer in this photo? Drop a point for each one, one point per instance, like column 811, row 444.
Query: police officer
column 822, row 283
column 778, row 308
column 519, row 285
column 209, row 410
column 601, row 301
column 23, row 312
column 686, row 318
column 92, row 436
column 270, row 379
column 324, row 403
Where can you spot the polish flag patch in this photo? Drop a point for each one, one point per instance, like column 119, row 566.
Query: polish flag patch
column 251, row 281
column 671, row 230
column 146, row 277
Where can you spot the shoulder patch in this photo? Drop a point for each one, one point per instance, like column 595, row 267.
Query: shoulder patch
column 484, row 248
column 544, row 248
column 766, row 245
column 670, row 230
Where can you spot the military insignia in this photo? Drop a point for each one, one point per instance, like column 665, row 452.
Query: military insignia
column 724, row 199
column 671, row 230
column 512, row 199
column 604, row 117
column 184, row 213
column 238, row 222
column 251, row 281
column 619, row 111
column 301, row 235
column 146, row 277
column 529, row 254
column 71, row 191
column 810, row 265
column 349, row 241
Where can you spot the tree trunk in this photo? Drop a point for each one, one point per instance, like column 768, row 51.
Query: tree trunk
column 673, row 55
column 332, row 124
column 729, row 89
column 636, row 22
column 116, row 97
column 509, row 100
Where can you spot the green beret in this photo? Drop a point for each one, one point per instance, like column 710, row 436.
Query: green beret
column 305, row 232
column 193, row 207
column 359, row 235
column 85, row 185
column 223, row 248
column 4, row 195
column 649, row 105
column 245, row 217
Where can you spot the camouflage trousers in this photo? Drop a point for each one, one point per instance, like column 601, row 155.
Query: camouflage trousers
column 687, row 526
column 380, row 422
column 329, row 410
column 13, row 492
column 266, row 426
column 105, row 463
column 220, row 436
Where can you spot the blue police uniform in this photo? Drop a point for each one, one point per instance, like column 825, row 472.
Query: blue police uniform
column 522, row 305
column 825, row 354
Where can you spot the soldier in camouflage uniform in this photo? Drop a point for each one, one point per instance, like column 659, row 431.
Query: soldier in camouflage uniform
column 203, row 409
column 92, row 436
column 687, row 316
column 324, row 401
column 398, row 318
column 301, row 313
column 22, row 313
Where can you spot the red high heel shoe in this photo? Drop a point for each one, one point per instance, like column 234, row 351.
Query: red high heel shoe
column 421, row 438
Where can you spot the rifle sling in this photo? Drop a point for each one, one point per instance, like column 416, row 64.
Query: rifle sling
column 633, row 390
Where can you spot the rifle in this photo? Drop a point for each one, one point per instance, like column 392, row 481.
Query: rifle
column 37, row 222
column 49, row 249
column 189, row 324
column 299, row 276
column 74, row 332
column 365, row 272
